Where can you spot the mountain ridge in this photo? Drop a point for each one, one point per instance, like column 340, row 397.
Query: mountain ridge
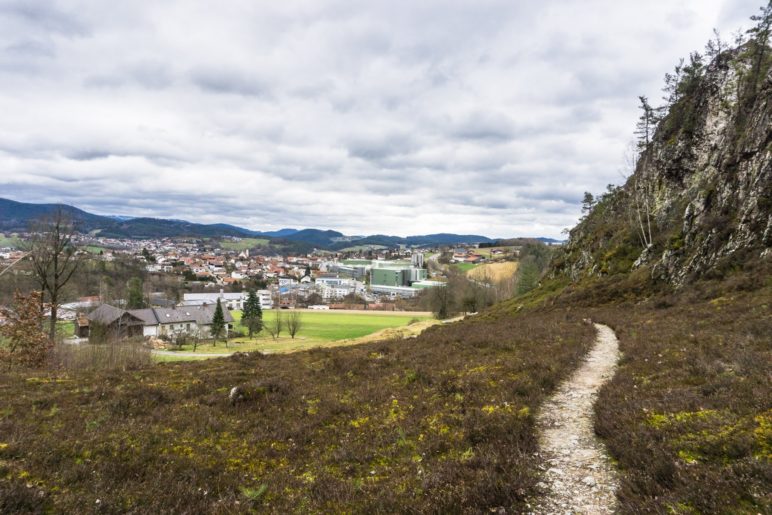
column 15, row 216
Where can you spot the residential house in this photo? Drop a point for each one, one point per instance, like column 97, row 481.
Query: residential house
column 153, row 322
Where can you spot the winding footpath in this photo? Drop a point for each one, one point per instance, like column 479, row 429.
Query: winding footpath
column 579, row 476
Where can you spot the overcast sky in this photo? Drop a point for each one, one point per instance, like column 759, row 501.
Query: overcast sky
column 401, row 117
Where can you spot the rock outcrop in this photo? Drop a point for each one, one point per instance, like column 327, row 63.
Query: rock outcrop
column 703, row 184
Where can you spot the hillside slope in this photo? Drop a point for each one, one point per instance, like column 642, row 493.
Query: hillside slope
column 16, row 216
column 688, row 415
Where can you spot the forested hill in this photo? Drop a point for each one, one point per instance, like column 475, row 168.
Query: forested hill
column 16, row 216
column 699, row 198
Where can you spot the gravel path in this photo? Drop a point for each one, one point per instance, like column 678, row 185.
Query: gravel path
column 579, row 477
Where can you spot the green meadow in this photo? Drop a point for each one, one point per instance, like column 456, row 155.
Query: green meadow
column 9, row 240
column 318, row 329
column 243, row 244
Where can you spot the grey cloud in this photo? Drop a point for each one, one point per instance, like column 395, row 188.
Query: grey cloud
column 482, row 125
column 230, row 82
column 43, row 15
column 31, row 48
column 376, row 147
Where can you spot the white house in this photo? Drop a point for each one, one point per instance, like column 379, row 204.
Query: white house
column 230, row 301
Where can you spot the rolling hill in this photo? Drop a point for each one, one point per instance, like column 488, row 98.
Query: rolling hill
column 16, row 216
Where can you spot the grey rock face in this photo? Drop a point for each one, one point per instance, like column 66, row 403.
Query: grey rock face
column 706, row 179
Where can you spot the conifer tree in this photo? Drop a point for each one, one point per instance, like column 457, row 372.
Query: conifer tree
column 253, row 314
column 218, row 322
column 136, row 295
column 760, row 35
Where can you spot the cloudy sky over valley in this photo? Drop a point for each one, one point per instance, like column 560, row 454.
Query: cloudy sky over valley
column 401, row 117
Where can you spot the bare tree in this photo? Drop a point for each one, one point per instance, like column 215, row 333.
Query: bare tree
column 640, row 210
column 441, row 302
column 275, row 325
column 643, row 210
column 54, row 259
column 294, row 322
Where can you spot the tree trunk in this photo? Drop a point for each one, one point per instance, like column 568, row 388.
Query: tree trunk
column 52, row 329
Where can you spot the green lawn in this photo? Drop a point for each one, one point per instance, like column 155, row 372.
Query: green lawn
column 319, row 329
column 93, row 249
column 332, row 325
column 244, row 244
column 65, row 328
column 360, row 248
column 9, row 241
column 465, row 267
column 166, row 358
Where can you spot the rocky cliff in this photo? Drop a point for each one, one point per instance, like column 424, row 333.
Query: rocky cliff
column 700, row 196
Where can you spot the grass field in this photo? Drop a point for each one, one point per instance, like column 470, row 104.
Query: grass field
column 320, row 329
column 64, row 328
column 464, row 267
column 244, row 244
column 93, row 249
column 495, row 272
column 360, row 248
column 9, row 240
column 331, row 325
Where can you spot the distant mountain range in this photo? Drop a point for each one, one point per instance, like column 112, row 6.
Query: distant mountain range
column 16, row 216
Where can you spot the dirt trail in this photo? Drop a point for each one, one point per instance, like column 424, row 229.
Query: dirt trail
column 579, row 477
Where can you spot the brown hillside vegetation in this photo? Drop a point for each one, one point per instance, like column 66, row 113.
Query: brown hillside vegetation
column 441, row 423
column 688, row 415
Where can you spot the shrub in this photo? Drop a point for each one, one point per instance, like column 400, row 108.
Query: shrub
column 128, row 355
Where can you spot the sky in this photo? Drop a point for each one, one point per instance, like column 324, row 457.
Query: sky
column 399, row 117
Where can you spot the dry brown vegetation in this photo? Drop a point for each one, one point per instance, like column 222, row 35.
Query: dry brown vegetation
column 688, row 415
column 442, row 423
column 129, row 355
column 494, row 272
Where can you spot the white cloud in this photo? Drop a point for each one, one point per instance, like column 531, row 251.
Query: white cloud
column 485, row 116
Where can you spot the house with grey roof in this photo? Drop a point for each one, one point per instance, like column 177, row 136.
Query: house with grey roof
column 159, row 322
column 117, row 323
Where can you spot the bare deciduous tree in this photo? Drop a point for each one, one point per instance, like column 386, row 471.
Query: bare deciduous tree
column 640, row 208
column 294, row 322
column 54, row 259
column 275, row 325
